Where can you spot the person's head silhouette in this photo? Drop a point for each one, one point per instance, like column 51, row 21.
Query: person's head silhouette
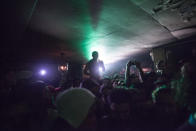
column 95, row 55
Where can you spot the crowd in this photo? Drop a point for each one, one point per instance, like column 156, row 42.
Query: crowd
column 153, row 101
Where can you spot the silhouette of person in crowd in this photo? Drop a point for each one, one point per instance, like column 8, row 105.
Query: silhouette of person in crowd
column 95, row 67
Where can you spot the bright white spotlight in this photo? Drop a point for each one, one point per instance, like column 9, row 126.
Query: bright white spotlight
column 100, row 69
column 42, row 72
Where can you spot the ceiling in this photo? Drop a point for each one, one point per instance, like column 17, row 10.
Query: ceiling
column 42, row 29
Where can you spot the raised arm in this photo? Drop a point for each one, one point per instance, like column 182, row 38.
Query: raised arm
column 138, row 65
column 127, row 74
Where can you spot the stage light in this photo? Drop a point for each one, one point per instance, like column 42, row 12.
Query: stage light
column 101, row 50
column 42, row 72
column 63, row 68
column 100, row 69
column 109, row 54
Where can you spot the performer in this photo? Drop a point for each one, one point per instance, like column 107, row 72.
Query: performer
column 94, row 67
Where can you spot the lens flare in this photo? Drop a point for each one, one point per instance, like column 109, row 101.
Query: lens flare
column 42, row 72
column 100, row 69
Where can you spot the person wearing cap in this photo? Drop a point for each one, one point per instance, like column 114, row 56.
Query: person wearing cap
column 76, row 111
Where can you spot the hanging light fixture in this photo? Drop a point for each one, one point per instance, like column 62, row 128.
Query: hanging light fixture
column 63, row 65
column 63, row 68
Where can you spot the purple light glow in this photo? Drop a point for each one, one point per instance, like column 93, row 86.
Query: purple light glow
column 42, row 72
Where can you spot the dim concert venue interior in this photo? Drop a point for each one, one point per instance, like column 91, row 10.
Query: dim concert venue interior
column 98, row 65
